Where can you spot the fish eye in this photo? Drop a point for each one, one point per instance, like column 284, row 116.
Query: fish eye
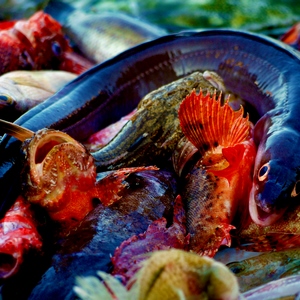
column 263, row 172
column 296, row 189
column 56, row 48
column 236, row 267
column 6, row 100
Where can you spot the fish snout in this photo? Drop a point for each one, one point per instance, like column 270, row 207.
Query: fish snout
column 261, row 208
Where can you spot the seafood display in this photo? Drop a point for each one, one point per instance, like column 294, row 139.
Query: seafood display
column 139, row 164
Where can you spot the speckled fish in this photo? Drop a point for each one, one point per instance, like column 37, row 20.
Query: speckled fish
column 18, row 236
column 221, row 179
column 100, row 36
column 281, row 235
column 256, row 271
column 21, row 90
column 150, row 136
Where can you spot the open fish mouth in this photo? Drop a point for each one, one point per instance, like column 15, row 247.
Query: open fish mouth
column 263, row 216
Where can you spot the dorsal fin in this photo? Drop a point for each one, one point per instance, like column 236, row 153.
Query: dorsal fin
column 208, row 125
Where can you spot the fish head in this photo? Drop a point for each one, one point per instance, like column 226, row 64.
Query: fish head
column 59, row 175
column 276, row 176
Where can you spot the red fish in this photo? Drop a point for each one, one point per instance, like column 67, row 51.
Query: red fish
column 18, row 235
column 38, row 43
column 222, row 177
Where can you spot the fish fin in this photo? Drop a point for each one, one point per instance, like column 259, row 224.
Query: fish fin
column 21, row 133
column 207, row 124
column 234, row 156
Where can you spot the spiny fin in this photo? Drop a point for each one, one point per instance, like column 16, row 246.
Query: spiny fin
column 21, row 133
column 207, row 124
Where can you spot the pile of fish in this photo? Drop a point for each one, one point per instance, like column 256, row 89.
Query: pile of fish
column 146, row 153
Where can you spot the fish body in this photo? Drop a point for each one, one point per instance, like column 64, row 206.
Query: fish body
column 21, row 90
column 38, row 43
column 18, row 236
column 260, row 70
column 259, row 270
column 100, row 36
column 150, row 136
column 221, row 179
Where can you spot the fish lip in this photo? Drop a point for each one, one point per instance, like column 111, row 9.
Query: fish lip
column 260, row 216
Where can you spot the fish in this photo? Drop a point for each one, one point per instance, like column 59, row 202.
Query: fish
column 88, row 248
column 18, row 237
column 266, row 267
column 21, row 90
column 258, row 69
column 151, row 134
column 100, row 36
column 38, row 43
column 281, row 235
column 128, row 257
column 292, row 36
column 221, row 178
column 284, row 288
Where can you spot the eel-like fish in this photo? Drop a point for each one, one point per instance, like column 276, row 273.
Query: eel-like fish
column 261, row 70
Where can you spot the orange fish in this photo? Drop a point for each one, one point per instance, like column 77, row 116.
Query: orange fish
column 18, row 235
column 38, row 43
column 221, row 178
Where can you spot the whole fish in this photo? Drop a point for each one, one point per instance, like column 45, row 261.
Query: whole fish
column 151, row 134
column 100, row 36
column 258, row 270
column 21, row 90
column 221, row 178
column 38, row 43
column 18, row 236
column 260, row 70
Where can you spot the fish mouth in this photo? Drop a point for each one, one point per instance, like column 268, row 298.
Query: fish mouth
column 9, row 264
column 260, row 216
